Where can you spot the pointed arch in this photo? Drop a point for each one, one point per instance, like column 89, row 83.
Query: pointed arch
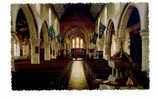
column 45, row 51
column 44, row 29
column 129, row 33
column 122, row 24
column 32, row 25
column 109, row 37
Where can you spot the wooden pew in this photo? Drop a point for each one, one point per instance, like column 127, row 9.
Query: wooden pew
column 48, row 75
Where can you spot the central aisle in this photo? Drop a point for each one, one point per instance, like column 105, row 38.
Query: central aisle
column 77, row 77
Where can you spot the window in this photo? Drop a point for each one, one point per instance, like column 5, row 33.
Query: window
column 77, row 42
column 73, row 43
column 81, row 43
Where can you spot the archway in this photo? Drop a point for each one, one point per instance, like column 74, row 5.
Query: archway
column 23, row 34
column 44, row 43
column 110, row 39
column 129, row 32
column 41, row 46
column 135, row 38
column 32, row 27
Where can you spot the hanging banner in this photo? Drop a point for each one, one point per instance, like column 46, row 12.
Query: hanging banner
column 59, row 38
column 101, row 30
column 51, row 32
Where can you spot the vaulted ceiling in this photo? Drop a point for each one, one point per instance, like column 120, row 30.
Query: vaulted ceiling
column 79, row 16
column 91, row 8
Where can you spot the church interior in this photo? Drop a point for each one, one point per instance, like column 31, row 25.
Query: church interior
column 79, row 46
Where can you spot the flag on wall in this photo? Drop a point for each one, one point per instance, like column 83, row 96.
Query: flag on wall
column 59, row 38
column 101, row 30
column 51, row 32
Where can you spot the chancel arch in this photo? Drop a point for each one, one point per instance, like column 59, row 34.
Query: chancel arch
column 79, row 38
column 77, row 42
column 76, row 31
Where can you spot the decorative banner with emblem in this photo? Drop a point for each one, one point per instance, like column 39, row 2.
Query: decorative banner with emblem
column 51, row 32
column 101, row 30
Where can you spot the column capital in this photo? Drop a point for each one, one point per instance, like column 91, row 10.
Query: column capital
column 118, row 39
column 34, row 41
column 13, row 32
column 144, row 32
column 108, row 29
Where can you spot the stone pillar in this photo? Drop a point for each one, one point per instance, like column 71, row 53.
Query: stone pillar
column 127, row 42
column 107, row 51
column 120, row 39
column 53, row 46
column 35, row 54
column 99, row 48
column 47, row 52
column 118, row 44
column 107, row 46
column 104, row 54
column 12, row 55
column 145, row 50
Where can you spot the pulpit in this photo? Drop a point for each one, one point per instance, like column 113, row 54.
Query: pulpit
column 124, row 67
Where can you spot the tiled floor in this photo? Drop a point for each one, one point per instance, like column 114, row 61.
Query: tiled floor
column 77, row 78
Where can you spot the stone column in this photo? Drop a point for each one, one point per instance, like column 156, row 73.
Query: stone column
column 118, row 44
column 120, row 39
column 47, row 52
column 127, row 42
column 35, row 54
column 12, row 54
column 53, row 46
column 107, row 51
column 99, row 50
column 145, row 50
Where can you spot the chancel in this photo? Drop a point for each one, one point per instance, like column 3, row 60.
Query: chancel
column 79, row 46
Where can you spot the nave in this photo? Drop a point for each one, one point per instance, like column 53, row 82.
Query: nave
column 79, row 46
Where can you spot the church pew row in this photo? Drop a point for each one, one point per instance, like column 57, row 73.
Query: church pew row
column 48, row 75
column 100, row 68
column 44, row 66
